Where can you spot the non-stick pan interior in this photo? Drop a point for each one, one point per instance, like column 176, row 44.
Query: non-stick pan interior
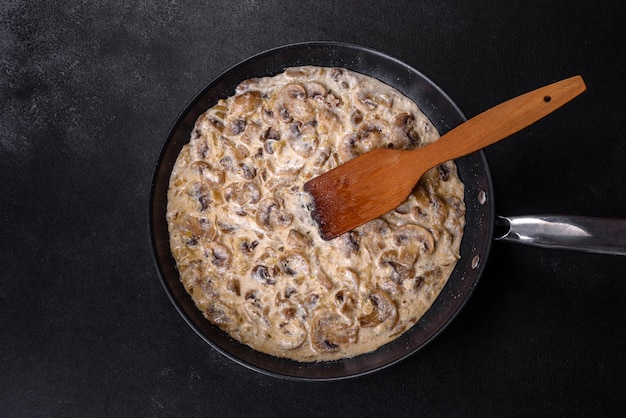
column 444, row 114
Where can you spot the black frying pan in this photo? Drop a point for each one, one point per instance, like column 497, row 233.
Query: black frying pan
column 472, row 169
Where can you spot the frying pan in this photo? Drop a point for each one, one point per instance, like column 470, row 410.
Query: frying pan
column 472, row 169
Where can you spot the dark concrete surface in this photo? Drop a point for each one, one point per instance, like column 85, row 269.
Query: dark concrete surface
column 88, row 91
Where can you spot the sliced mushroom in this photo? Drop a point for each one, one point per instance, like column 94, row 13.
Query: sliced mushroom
column 212, row 121
column 367, row 101
column 345, row 335
column 405, row 207
column 249, row 84
column 346, row 301
column 364, row 101
column 199, row 227
column 328, row 122
column 226, row 228
column 293, row 91
column 425, row 277
column 374, row 133
column 384, row 100
column 270, row 216
column 349, row 146
column 248, row 245
column 356, row 117
column 189, row 263
column 330, row 329
column 236, row 127
column 286, row 160
column 369, row 136
column 310, row 301
column 389, row 285
column 348, row 278
column 290, row 291
column 242, row 194
column 430, row 180
column 218, row 255
column 429, row 208
column 445, row 169
column 251, row 295
column 269, row 138
column 302, row 139
column 457, row 206
column 252, row 132
column 234, row 286
column 228, row 163
column 316, row 93
column 417, row 284
column 296, row 72
column 283, row 113
column 324, row 281
column 405, row 131
column 228, row 149
column 202, row 194
column 297, row 239
column 291, row 104
column 221, row 315
column 451, row 252
column 374, row 235
column 246, row 171
column 332, row 100
column 382, row 309
column 288, row 331
column 213, row 176
column 320, row 158
column 245, row 103
column 294, row 264
column 254, row 310
column 198, row 145
column 399, row 270
column 276, row 184
column 336, row 74
column 412, row 239
column 268, row 116
column 208, row 287
column 456, row 214
column 350, row 243
column 199, row 166
column 263, row 274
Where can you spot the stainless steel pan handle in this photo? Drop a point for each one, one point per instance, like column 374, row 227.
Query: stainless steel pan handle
column 580, row 233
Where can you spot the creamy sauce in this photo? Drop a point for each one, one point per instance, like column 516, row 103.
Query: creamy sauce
column 241, row 231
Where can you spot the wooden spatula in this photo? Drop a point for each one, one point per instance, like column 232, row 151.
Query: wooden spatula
column 378, row 181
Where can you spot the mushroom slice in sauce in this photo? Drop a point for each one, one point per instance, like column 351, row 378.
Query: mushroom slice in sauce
column 329, row 330
column 382, row 309
column 288, row 330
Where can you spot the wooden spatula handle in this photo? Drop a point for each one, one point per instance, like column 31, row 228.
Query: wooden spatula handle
column 505, row 119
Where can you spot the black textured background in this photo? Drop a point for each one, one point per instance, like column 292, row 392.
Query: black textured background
column 88, row 91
